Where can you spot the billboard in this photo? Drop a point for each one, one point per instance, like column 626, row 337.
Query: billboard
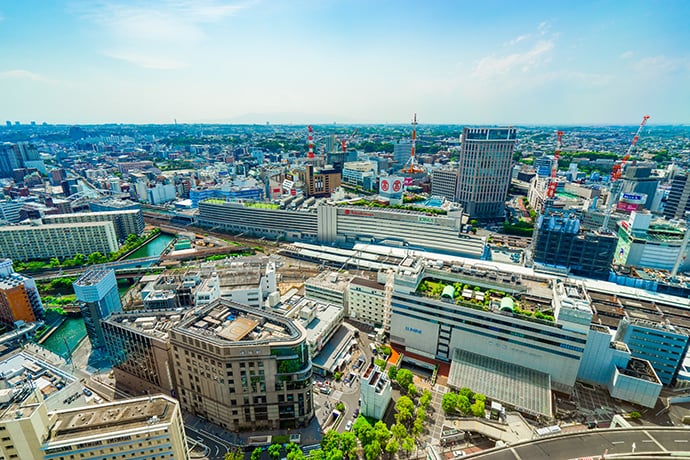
column 391, row 186
column 634, row 198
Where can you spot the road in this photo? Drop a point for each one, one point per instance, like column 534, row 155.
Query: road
column 618, row 442
column 217, row 447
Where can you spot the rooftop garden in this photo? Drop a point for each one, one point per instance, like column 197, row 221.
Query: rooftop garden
column 474, row 297
column 382, row 204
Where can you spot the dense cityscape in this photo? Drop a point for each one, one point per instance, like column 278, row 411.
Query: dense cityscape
column 232, row 291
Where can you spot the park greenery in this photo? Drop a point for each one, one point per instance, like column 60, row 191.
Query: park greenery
column 464, row 402
column 519, row 228
column 379, row 204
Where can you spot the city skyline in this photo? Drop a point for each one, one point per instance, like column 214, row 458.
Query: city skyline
column 348, row 62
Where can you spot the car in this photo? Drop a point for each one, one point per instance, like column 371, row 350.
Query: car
column 87, row 392
column 348, row 427
column 356, row 413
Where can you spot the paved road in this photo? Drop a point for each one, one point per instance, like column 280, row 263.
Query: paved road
column 653, row 440
column 217, row 446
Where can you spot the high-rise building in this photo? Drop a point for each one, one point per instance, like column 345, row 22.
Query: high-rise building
column 243, row 368
column 36, row 242
column 444, row 182
column 19, row 298
column 484, row 170
column 678, row 201
column 401, row 153
column 98, row 297
column 126, row 222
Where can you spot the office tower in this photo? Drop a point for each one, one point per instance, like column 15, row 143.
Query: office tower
column 401, row 153
column 243, row 368
column 444, row 182
column 663, row 345
column 19, row 298
column 484, row 169
column 98, row 298
column 560, row 241
column 678, row 201
column 638, row 180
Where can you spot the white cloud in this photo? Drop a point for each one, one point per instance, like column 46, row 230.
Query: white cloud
column 21, row 74
column 626, row 55
column 543, row 27
column 491, row 66
column 518, row 39
column 156, row 34
column 662, row 65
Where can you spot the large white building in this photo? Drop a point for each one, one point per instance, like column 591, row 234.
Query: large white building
column 367, row 301
column 28, row 242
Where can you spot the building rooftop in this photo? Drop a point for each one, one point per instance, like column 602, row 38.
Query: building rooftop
column 92, row 276
column 640, row 369
column 368, row 283
column 156, row 323
column 110, row 418
column 227, row 323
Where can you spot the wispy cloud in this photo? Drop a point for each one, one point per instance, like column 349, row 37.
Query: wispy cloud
column 663, row 65
column 21, row 74
column 518, row 39
column 156, row 34
column 626, row 55
column 491, row 66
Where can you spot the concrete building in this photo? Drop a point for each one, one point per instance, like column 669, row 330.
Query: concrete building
column 328, row 287
column 432, row 327
column 319, row 320
column 560, row 241
column 148, row 427
column 98, row 298
column 663, row 345
column 678, row 201
column 484, row 169
column 367, row 301
column 161, row 193
column 360, row 174
column 402, row 151
column 138, row 343
column 19, row 297
column 243, row 368
column 375, row 391
column 27, row 242
column 126, row 222
column 444, row 182
column 319, row 182
column 647, row 244
column 111, row 204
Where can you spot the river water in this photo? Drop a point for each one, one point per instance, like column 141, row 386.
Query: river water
column 71, row 331
column 153, row 248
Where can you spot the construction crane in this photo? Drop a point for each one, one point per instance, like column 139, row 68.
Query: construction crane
column 412, row 167
column 551, row 191
column 616, row 174
column 344, row 141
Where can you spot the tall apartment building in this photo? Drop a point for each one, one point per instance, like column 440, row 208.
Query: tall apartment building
column 19, row 298
column 366, row 301
column 27, row 242
column 560, row 241
column 678, row 201
column 664, row 346
column 243, row 368
column 98, row 298
column 126, row 222
column 484, row 170
column 444, row 182
column 320, row 182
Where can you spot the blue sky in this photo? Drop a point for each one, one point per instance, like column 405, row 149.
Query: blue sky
column 304, row 61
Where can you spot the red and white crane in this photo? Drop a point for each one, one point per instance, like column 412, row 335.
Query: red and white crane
column 344, row 141
column 411, row 166
column 616, row 174
column 551, row 191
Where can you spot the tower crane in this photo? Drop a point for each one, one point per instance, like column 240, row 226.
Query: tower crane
column 344, row 141
column 311, row 142
column 616, row 174
column 551, row 191
column 411, row 166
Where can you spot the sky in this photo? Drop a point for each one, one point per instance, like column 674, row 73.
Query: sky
column 345, row 61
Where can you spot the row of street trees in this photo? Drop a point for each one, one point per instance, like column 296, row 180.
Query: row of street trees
column 464, row 402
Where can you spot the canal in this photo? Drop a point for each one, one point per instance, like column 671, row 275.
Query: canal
column 70, row 333
column 153, row 248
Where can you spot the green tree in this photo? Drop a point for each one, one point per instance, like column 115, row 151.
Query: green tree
column 340, row 406
column 96, row 258
column 405, row 408
column 234, row 454
column 381, row 363
column 331, row 440
column 274, row 451
column 412, row 390
column 392, row 373
column 54, row 262
column 466, row 392
column 382, row 433
column 348, row 444
column 256, row 454
column 477, row 408
column 337, row 376
column 463, row 405
column 449, row 402
column 417, row 427
column 425, row 399
column 404, row 378
column 372, row 450
column 363, row 430
column 408, row 445
column 398, row 431
column 392, row 447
